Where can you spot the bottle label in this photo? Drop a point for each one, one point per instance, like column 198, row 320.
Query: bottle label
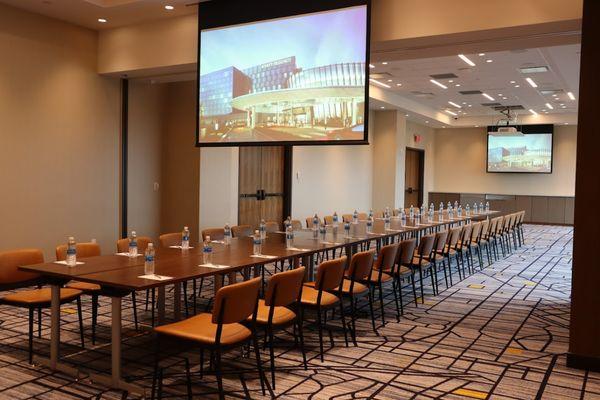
column 149, row 258
column 133, row 244
column 71, row 251
column 186, row 238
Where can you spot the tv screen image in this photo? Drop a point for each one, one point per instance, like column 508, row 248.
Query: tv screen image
column 298, row 79
column 528, row 153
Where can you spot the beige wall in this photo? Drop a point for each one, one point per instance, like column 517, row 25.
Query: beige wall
column 146, row 114
column 427, row 143
column 180, row 193
column 460, row 158
column 59, row 136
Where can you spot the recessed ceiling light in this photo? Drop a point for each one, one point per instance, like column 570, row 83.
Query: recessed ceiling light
column 571, row 95
column 489, row 61
column 451, row 113
column 398, row 84
column 169, row 8
column 476, row 126
column 544, row 110
column 390, row 80
column 438, row 84
column 385, row 63
column 102, row 20
column 531, row 82
column 481, row 54
column 566, row 123
column 533, row 112
column 513, row 82
column 457, row 85
column 454, row 104
column 500, row 94
column 517, row 86
column 371, row 66
column 426, row 122
column 487, row 96
column 406, row 115
column 382, row 107
column 550, row 106
column 464, row 102
column 379, row 83
column 466, row 59
column 533, row 70
column 451, row 81
column 469, row 105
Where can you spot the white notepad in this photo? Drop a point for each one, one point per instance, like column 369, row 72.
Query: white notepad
column 213, row 266
column 218, row 241
column 65, row 263
column 296, row 249
column 179, row 247
column 263, row 256
column 128, row 255
column 156, row 277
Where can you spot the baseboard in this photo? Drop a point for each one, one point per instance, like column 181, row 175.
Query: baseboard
column 583, row 362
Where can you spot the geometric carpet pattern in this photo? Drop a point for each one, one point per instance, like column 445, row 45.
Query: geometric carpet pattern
column 501, row 333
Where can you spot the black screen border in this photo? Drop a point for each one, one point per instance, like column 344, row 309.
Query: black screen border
column 221, row 15
column 540, row 129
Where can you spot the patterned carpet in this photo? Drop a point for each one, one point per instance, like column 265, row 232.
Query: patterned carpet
column 500, row 334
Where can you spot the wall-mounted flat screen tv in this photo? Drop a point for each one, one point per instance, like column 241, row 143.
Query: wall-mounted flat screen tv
column 524, row 149
column 282, row 73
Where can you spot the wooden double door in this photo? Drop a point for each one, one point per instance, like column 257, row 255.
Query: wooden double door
column 413, row 178
column 262, row 185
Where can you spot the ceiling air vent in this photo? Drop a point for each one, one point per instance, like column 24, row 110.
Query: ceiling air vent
column 549, row 92
column 444, row 76
column 517, row 107
column 491, row 104
column 469, row 92
column 422, row 94
column 382, row 75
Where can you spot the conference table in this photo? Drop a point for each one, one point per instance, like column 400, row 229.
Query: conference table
column 120, row 275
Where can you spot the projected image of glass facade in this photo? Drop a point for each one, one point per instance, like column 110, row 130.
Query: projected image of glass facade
column 526, row 153
column 314, row 91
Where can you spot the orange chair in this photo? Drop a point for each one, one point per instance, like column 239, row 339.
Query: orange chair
column 272, row 227
column 359, row 270
column 142, row 244
column 37, row 299
column 283, row 292
column 382, row 273
column 213, row 233
column 242, row 231
column 220, row 331
column 296, row 225
column 86, row 250
column 404, row 258
column 420, row 261
column 318, row 295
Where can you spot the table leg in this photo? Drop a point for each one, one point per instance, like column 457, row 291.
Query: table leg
column 115, row 381
column 177, row 301
column 161, row 305
column 54, row 361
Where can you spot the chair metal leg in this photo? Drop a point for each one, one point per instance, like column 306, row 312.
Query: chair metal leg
column 371, row 308
column 80, row 314
column 94, row 316
column 396, row 300
column 30, row 347
column 219, row 374
column 414, row 288
column 261, row 374
column 39, row 319
column 320, row 327
column 343, row 318
column 301, row 335
column 188, row 378
column 421, row 282
column 380, row 288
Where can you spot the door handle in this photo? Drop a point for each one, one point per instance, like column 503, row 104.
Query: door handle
column 409, row 190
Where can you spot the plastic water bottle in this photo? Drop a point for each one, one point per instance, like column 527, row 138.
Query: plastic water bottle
column 289, row 237
column 71, row 252
column 133, row 246
column 336, row 220
column 411, row 212
column 149, row 260
column 287, row 222
column 185, row 238
column 256, row 244
column 370, row 224
column 315, row 222
column 347, row 229
column 388, row 213
column 459, row 210
column 322, row 231
column 207, row 251
column 227, row 234
column 481, row 209
column 468, row 210
column 431, row 213
column 386, row 220
column 370, row 213
column 455, row 205
column 475, row 208
column 355, row 217
column 487, row 207
column 423, row 209
column 450, row 211
column 403, row 217
column 262, row 227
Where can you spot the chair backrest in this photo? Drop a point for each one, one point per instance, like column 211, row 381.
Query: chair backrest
column 234, row 303
column 142, row 243
column 387, row 257
column 309, row 222
column 272, row 226
column 296, row 225
column 330, row 274
column 363, row 216
column 84, row 250
column 285, row 287
column 500, row 224
column 465, row 236
column 170, row 239
column 406, row 250
column 485, row 229
column 360, row 265
column 241, row 230
column 426, row 246
column 454, row 236
column 493, row 227
column 347, row 218
column 214, row 233
column 378, row 214
column 10, row 261
column 440, row 241
column 475, row 230
column 328, row 219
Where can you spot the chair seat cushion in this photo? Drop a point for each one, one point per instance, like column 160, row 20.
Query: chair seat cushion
column 404, row 271
column 310, row 296
column 281, row 315
column 417, row 263
column 374, row 278
column 84, row 287
column 200, row 328
column 38, row 297
column 358, row 287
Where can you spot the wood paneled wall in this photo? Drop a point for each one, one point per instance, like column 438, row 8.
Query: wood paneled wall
column 538, row 209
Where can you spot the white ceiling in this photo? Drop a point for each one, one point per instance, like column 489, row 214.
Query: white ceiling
column 410, row 80
column 117, row 12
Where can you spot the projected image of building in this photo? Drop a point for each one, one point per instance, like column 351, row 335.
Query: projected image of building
column 281, row 101
column 520, row 159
